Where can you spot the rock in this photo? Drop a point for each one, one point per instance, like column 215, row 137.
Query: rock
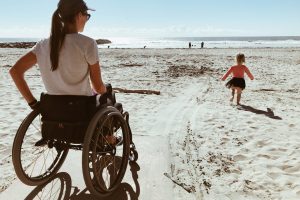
column 23, row 45
column 103, row 41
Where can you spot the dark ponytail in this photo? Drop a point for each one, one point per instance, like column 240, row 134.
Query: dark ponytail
column 56, row 39
column 62, row 17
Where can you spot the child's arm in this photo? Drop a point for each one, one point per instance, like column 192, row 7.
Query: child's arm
column 249, row 73
column 227, row 74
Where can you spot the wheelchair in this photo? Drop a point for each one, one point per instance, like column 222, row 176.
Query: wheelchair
column 67, row 122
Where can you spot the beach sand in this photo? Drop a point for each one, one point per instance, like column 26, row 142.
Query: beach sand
column 192, row 142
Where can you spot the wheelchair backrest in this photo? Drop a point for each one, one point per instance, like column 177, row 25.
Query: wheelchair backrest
column 67, row 108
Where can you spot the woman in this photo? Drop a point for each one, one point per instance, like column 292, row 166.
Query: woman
column 67, row 59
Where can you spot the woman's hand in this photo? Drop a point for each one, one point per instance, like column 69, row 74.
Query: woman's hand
column 34, row 104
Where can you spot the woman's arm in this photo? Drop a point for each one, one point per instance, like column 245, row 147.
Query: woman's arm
column 17, row 73
column 96, row 79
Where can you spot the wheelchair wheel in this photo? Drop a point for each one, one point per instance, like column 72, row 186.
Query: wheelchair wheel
column 104, row 164
column 35, row 164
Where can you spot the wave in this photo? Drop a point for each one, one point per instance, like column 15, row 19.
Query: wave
column 183, row 42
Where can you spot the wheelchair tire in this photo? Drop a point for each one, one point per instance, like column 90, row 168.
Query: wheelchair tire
column 104, row 165
column 33, row 164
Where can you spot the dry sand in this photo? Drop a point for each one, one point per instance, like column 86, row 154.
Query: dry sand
column 192, row 143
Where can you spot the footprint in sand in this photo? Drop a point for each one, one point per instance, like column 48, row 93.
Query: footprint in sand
column 277, row 150
column 264, row 156
column 291, row 125
column 290, row 169
column 209, row 120
column 273, row 175
column 236, row 171
column 225, row 139
column 239, row 158
column 244, row 150
column 260, row 143
column 281, row 149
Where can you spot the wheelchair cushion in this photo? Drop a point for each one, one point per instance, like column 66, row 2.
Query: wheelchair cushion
column 66, row 117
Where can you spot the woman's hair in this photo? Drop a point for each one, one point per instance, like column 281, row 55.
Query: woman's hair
column 240, row 58
column 63, row 16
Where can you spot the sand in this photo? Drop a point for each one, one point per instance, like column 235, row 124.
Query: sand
column 192, row 142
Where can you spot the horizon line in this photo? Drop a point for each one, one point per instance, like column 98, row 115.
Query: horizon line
column 171, row 36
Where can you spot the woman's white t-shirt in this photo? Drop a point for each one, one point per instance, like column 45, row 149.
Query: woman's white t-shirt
column 72, row 75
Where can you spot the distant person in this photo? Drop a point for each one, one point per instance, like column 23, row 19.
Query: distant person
column 145, row 47
column 237, row 83
column 190, row 45
column 108, row 46
column 202, row 45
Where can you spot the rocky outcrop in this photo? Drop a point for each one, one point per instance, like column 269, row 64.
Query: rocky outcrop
column 103, row 41
column 23, row 45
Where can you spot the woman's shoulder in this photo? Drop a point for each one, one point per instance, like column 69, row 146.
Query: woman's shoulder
column 41, row 44
column 43, row 41
column 84, row 38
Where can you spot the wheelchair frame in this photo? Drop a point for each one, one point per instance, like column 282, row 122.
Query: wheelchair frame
column 95, row 151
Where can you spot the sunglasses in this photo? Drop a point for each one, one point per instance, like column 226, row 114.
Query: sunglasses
column 88, row 16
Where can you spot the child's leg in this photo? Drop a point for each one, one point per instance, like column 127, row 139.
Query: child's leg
column 232, row 93
column 239, row 95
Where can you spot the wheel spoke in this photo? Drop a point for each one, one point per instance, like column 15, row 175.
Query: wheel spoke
column 36, row 128
column 106, row 158
column 34, row 164
column 35, row 161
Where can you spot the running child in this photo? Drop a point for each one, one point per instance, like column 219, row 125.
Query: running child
column 237, row 83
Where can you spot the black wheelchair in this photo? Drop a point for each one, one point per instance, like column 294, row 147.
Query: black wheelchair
column 64, row 122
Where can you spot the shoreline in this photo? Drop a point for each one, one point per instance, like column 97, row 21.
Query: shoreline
column 202, row 48
column 194, row 48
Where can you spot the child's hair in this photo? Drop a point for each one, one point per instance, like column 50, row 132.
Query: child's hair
column 240, row 58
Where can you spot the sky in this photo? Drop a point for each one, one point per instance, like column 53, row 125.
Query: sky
column 159, row 18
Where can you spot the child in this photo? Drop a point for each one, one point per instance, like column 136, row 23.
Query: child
column 237, row 82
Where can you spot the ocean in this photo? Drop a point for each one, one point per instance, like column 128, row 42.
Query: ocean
column 183, row 42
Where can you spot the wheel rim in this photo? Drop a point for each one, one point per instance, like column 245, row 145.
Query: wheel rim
column 36, row 163
column 107, row 163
